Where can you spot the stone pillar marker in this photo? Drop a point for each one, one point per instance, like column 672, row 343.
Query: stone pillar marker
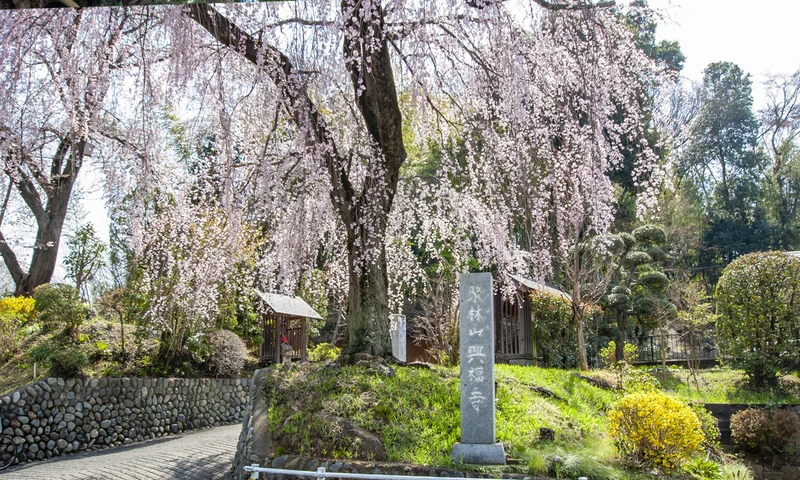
column 476, row 315
column 397, row 330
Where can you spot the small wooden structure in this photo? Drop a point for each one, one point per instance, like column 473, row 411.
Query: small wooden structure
column 514, row 342
column 288, row 316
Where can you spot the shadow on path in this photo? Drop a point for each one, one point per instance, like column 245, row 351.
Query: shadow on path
column 204, row 454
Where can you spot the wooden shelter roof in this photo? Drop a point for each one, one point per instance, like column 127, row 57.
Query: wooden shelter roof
column 540, row 287
column 286, row 305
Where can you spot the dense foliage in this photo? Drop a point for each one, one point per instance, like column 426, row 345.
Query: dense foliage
column 68, row 362
column 608, row 354
column 760, row 430
column 654, row 428
column 758, row 303
column 323, row 352
column 553, row 334
column 60, row 304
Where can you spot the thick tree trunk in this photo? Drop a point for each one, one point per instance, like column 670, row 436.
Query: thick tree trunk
column 368, row 309
column 45, row 254
column 376, row 98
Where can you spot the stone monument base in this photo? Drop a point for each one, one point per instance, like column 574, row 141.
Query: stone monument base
column 479, row 453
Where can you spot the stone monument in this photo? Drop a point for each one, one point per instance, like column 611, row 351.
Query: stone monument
column 397, row 329
column 478, row 442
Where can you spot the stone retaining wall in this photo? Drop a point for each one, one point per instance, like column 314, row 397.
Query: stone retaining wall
column 254, row 442
column 57, row 416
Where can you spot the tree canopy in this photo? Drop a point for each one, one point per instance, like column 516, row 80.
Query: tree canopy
column 315, row 107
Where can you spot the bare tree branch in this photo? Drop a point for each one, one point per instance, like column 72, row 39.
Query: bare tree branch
column 10, row 259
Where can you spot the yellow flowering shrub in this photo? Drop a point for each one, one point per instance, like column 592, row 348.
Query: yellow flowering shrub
column 653, row 428
column 13, row 312
column 17, row 306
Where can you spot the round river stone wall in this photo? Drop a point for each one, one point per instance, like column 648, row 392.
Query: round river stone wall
column 57, row 416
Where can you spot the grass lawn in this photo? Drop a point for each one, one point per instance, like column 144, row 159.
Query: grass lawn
column 722, row 385
column 416, row 414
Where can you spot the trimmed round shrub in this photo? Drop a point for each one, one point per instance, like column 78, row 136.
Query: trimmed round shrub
column 652, row 234
column 621, row 290
column 656, row 253
column 653, row 428
column 228, row 353
column 656, row 281
column 627, row 239
column 758, row 303
column 618, row 301
column 68, row 363
column 758, row 430
column 634, row 259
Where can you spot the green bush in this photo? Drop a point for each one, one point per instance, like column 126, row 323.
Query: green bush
column 42, row 352
column 68, row 363
column 758, row 303
column 324, row 352
column 736, row 471
column 60, row 304
column 709, row 426
column 555, row 338
column 757, row 430
column 703, row 468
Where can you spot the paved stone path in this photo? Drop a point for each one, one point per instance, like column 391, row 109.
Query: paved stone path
column 207, row 454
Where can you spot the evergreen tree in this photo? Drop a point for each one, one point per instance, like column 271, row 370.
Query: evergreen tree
column 721, row 161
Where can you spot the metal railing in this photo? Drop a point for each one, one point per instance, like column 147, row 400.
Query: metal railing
column 678, row 347
column 321, row 472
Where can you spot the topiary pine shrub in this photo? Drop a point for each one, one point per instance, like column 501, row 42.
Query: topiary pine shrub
column 651, row 428
column 758, row 303
column 228, row 353
column 758, row 430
